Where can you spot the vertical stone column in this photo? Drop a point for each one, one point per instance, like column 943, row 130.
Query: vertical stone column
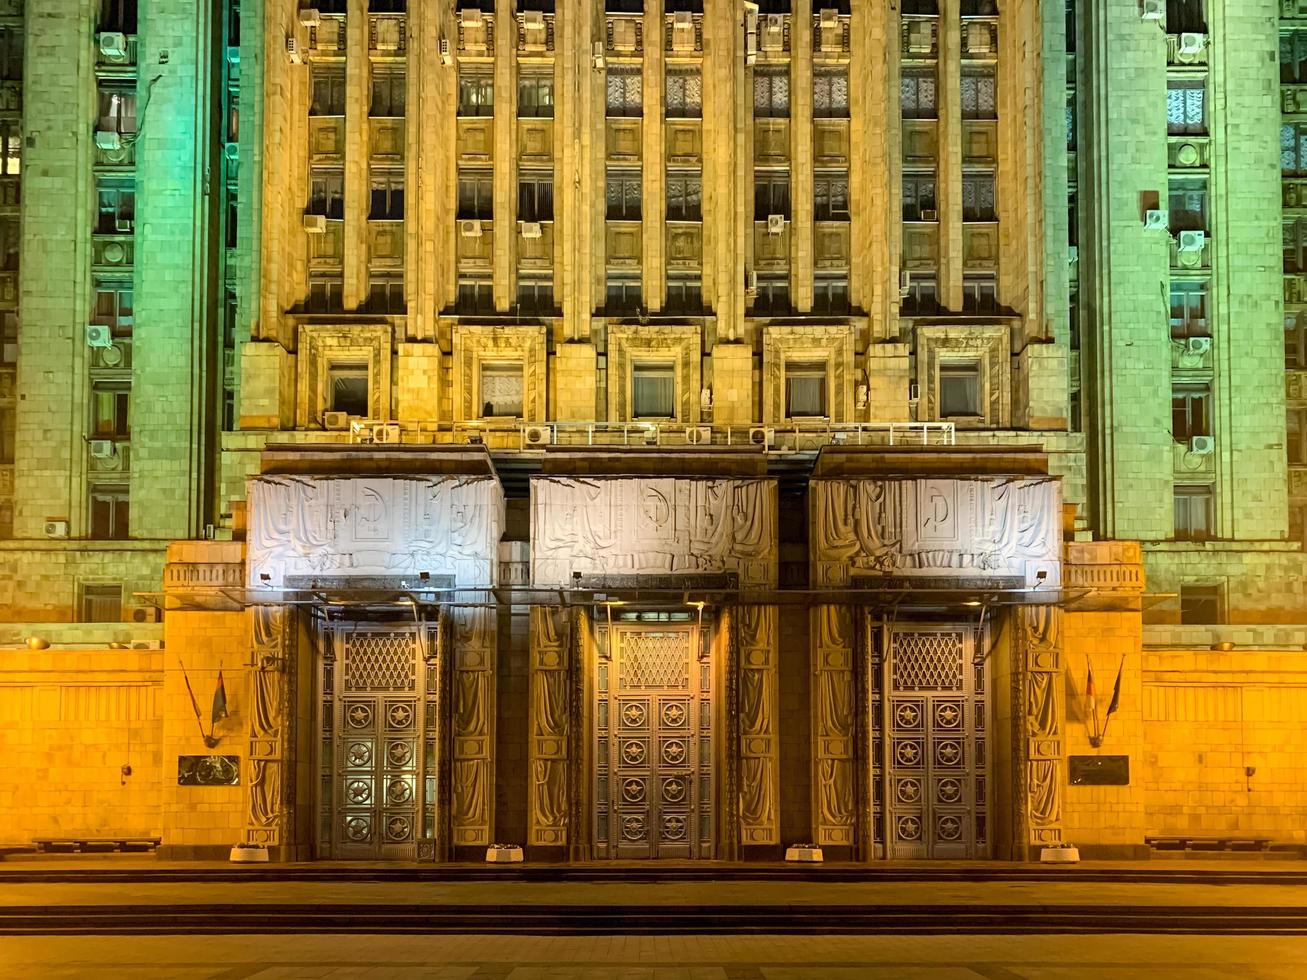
column 269, row 765
column 472, row 699
column 358, row 176
column 801, row 184
column 875, row 168
column 505, row 156
column 759, row 774
column 1038, row 743
column 948, row 175
column 550, row 796
column 833, row 728
column 653, row 209
column 727, row 213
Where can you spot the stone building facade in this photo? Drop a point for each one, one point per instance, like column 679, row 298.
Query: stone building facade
column 674, row 429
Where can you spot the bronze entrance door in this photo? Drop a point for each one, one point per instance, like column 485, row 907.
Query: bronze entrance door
column 653, row 745
column 378, row 687
column 931, row 729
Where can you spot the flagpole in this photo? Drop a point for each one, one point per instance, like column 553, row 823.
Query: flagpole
column 195, row 705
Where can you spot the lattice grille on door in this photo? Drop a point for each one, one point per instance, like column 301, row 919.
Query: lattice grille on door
column 380, row 661
column 655, row 660
column 927, row 662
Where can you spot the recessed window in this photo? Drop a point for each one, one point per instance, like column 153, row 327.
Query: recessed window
column 978, row 197
column 1295, row 342
column 476, row 94
column 1293, row 149
column 830, row 293
column 327, row 195
column 923, row 295
column 501, row 390
column 325, row 296
column 117, row 108
column 347, row 389
column 978, row 88
column 328, row 92
column 118, row 16
column 1296, row 436
column 1189, row 309
column 684, row 295
column 388, row 92
column 535, row 95
column 684, row 89
column 111, row 411
column 684, row 197
column 919, row 197
column 771, row 194
column 535, row 197
column 109, row 513
column 980, row 294
column 1190, row 411
column 773, row 296
column 386, row 296
column 623, row 191
column 830, row 197
column 1200, row 605
column 771, row 92
column 621, row 295
column 387, row 197
column 625, row 91
column 113, row 308
column 959, row 391
column 535, row 297
column 476, row 195
column 917, row 93
column 805, row 390
column 1185, row 15
column 1186, row 102
column 475, row 297
column 653, row 391
column 1193, row 513
column 117, row 209
column 102, row 603
column 830, row 93
column 1187, row 205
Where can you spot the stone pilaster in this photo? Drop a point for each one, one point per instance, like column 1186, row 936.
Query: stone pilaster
column 472, row 710
column 759, row 721
column 833, row 729
column 550, row 800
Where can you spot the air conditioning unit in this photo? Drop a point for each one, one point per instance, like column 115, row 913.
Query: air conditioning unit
column 536, row 435
column 1202, row 445
column 388, row 34
column 775, row 224
column 145, row 614
column 1191, row 44
column 113, row 44
column 929, row 214
column 597, row 56
column 56, row 529
column 760, row 436
column 446, row 56
column 1198, row 346
column 531, row 229
column 1154, row 10
column 1155, row 220
column 293, row 52
column 105, row 140
column 315, row 224
column 905, row 283
column 773, row 32
column 310, row 17
column 698, row 435
column 683, row 31
column 98, row 335
column 1192, row 241
column 471, row 228
column 387, row 433
column 920, row 40
column 979, row 39
column 335, row 421
column 103, row 449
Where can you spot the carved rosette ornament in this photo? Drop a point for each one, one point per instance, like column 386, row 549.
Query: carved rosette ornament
column 272, row 654
column 472, row 775
column 551, row 708
column 1041, row 744
column 833, row 724
column 759, row 775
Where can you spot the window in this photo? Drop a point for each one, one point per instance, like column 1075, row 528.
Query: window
column 684, row 197
column 535, row 96
column 653, row 391
column 978, row 100
column 1185, row 103
column 1070, row 120
column 830, row 197
column 771, row 92
column 117, row 209
column 11, row 54
column 475, row 296
column 387, row 197
column 771, row 194
column 923, row 295
column 1193, row 513
column 1190, row 411
column 1293, row 149
column 919, row 197
column 1295, row 343
column 773, row 294
column 830, row 93
column 111, row 411
column 917, row 93
column 1295, row 246
column 684, row 93
column 622, row 295
column 1188, row 309
column 625, row 93
column 388, row 91
column 327, row 195
column 501, row 390
column 1185, row 16
column 959, row 390
column 113, row 308
column 117, row 112
column 11, row 243
column 1200, row 605
column 805, row 390
column 102, row 603
column 535, row 197
column 8, row 426
column 535, row 297
column 830, row 293
column 347, row 388
column 328, row 86
column 1293, row 58
column 684, row 295
column 978, row 197
column 624, row 191
column 109, row 513
column 386, row 296
column 1295, row 438
column 11, row 151
column 118, row 16
column 8, row 337
column 979, row 294
column 1187, row 205
column 476, row 195
column 325, row 296
column 476, row 95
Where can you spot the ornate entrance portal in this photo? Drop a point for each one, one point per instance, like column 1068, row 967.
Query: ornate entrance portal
column 653, row 745
column 931, row 727
column 378, row 751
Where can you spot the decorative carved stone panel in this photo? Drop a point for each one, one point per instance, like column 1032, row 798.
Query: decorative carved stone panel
column 615, row 527
column 985, row 345
column 828, row 345
column 679, row 346
column 322, row 345
column 550, row 727
column 477, row 346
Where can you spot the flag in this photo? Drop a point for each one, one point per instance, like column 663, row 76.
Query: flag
column 1089, row 690
column 194, row 704
column 1116, row 690
column 219, row 701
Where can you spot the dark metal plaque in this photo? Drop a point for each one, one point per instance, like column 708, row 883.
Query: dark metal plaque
column 208, row 770
column 1100, row 770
